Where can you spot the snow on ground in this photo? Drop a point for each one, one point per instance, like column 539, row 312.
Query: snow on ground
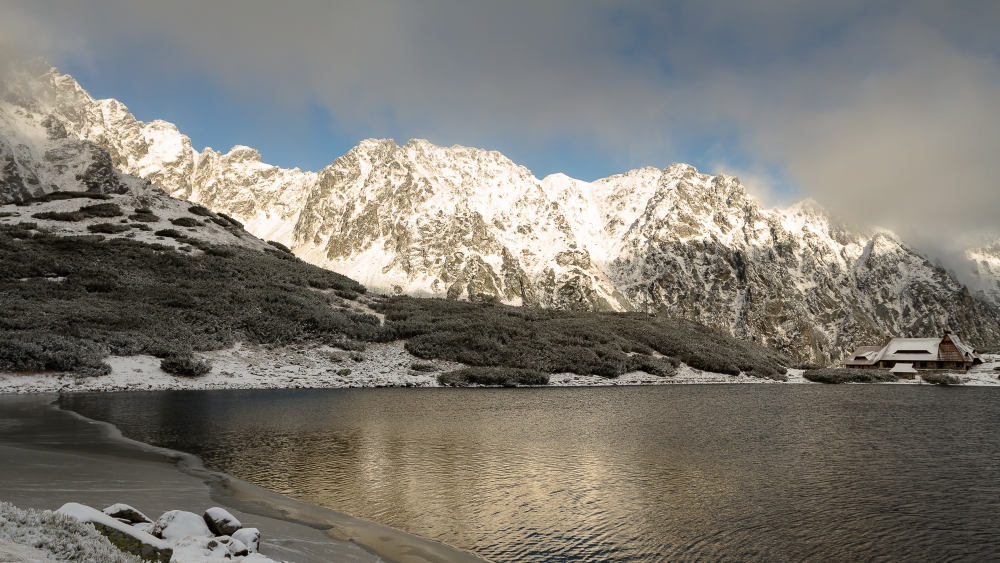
column 380, row 365
column 16, row 553
column 685, row 374
column 248, row 367
column 150, row 197
column 36, row 536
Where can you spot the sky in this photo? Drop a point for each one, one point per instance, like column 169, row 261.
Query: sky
column 885, row 112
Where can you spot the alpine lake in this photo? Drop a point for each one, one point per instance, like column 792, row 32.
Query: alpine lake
column 725, row 473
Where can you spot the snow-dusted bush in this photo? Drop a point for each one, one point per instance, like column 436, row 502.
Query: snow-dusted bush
column 172, row 233
column 86, row 212
column 835, row 375
column 102, row 210
column 186, row 222
column 143, row 215
column 40, row 350
column 941, row 378
column 199, row 210
column 108, row 228
column 279, row 246
column 64, row 537
column 506, row 377
column 230, row 220
column 68, row 216
column 185, row 366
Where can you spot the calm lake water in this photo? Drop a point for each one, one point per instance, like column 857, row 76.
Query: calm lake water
column 682, row 473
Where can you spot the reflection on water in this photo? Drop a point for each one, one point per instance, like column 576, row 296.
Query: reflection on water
column 687, row 473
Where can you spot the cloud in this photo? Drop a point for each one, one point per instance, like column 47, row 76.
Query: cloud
column 904, row 139
column 883, row 111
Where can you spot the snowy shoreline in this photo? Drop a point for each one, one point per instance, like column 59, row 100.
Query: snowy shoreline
column 380, row 365
column 53, row 456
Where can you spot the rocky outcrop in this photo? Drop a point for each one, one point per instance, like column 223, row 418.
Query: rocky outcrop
column 176, row 535
column 463, row 223
column 123, row 536
column 127, row 513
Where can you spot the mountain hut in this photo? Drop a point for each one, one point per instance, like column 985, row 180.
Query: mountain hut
column 922, row 354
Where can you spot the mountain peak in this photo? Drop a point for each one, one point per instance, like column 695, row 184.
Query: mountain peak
column 243, row 153
column 467, row 223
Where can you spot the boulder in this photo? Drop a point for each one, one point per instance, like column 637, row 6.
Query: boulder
column 177, row 524
column 126, row 512
column 126, row 538
column 250, row 537
column 200, row 548
column 236, row 547
column 221, row 522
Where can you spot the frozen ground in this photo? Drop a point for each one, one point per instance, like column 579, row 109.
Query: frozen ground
column 380, row 365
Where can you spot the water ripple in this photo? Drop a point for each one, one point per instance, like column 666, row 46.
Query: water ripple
column 693, row 473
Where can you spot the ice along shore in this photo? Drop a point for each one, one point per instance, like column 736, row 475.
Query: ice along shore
column 52, row 456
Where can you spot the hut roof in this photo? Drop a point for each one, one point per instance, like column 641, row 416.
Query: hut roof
column 903, row 367
column 863, row 356
column 959, row 352
column 911, row 350
column 949, row 348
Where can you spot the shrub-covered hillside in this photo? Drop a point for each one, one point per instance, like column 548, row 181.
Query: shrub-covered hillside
column 608, row 344
column 68, row 302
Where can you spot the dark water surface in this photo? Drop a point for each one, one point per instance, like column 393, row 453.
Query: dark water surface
column 681, row 473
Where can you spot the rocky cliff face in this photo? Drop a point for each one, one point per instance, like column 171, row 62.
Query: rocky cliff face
column 984, row 266
column 465, row 223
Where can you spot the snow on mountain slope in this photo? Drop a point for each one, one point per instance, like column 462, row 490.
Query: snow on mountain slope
column 984, row 262
column 466, row 223
column 39, row 155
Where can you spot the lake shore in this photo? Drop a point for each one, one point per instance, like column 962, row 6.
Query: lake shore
column 380, row 365
column 52, row 456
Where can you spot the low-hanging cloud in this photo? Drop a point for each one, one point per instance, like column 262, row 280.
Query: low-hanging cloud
column 885, row 112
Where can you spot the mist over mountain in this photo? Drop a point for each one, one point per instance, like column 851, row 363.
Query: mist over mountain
column 464, row 223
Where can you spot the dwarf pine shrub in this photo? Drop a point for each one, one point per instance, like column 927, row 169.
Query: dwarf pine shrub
column 941, row 378
column 109, row 228
column 838, row 375
column 185, row 366
column 493, row 376
column 186, row 222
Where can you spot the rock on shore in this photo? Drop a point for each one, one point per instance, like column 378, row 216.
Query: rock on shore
column 176, row 535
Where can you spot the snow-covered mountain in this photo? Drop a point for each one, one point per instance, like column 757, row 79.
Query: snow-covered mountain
column 984, row 267
column 38, row 155
column 466, row 223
